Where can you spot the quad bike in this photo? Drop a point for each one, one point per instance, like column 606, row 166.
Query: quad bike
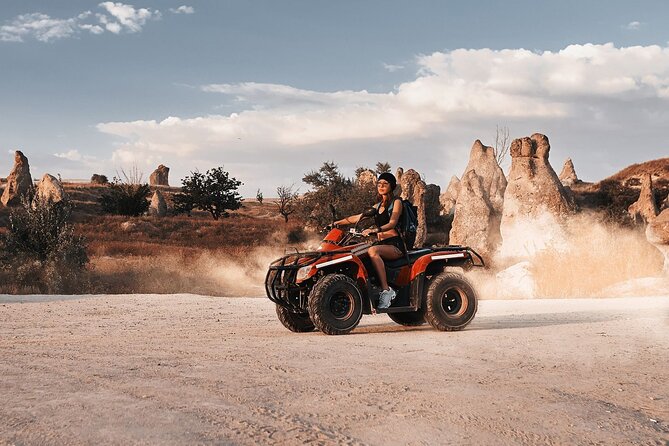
column 331, row 288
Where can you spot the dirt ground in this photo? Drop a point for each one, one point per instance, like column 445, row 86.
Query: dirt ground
column 186, row 369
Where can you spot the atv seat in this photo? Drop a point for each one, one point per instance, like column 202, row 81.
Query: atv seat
column 402, row 261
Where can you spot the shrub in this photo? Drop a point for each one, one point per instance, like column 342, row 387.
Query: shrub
column 41, row 248
column 214, row 192
column 126, row 197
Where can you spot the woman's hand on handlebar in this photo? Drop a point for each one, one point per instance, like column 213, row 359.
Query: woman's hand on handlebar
column 369, row 231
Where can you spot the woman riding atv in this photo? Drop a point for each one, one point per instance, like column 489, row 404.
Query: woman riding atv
column 389, row 244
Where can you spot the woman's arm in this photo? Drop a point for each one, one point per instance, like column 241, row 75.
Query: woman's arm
column 353, row 219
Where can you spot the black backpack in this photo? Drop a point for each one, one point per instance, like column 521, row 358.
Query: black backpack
column 408, row 224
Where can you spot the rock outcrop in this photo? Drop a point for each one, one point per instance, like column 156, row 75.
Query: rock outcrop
column 413, row 188
column 99, row 179
column 657, row 233
column 160, row 176
column 448, row 198
column 568, row 175
column 19, row 182
column 644, row 209
column 479, row 203
column 158, row 206
column 366, row 177
column 432, row 204
column 49, row 190
column 535, row 200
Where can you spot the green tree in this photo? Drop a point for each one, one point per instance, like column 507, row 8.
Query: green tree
column 214, row 192
column 259, row 197
column 382, row 168
column 329, row 186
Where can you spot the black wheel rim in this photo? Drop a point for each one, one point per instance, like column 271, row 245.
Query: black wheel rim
column 341, row 306
column 454, row 302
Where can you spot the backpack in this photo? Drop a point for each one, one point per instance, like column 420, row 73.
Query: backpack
column 408, row 224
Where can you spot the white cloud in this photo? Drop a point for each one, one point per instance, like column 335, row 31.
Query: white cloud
column 392, row 68
column 118, row 17
column 456, row 97
column 183, row 9
column 72, row 155
column 633, row 26
column 128, row 17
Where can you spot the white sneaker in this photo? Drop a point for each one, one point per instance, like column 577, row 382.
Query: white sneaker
column 385, row 298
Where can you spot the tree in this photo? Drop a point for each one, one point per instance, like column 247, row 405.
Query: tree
column 502, row 144
column 329, row 186
column 287, row 200
column 127, row 196
column 382, row 168
column 214, row 192
column 259, row 196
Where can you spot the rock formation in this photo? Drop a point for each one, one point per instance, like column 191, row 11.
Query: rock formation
column 644, row 209
column 159, row 177
column 413, row 189
column 473, row 216
column 535, row 200
column 366, row 177
column 49, row 190
column 479, row 203
column 99, row 179
column 158, row 206
column 398, row 177
column 568, row 175
column 432, row 204
column 448, row 198
column 19, row 182
column 657, row 233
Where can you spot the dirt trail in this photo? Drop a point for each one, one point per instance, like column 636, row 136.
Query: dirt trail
column 184, row 369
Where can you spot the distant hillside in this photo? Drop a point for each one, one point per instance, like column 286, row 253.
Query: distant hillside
column 631, row 175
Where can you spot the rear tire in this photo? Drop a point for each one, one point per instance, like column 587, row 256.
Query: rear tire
column 412, row 319
column 451, row 302
column 295, row 322
column 335, row 304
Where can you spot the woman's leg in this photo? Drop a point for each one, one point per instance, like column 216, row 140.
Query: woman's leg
column 379, row 252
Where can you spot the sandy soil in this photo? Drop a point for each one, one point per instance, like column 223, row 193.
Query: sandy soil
column 184, row 369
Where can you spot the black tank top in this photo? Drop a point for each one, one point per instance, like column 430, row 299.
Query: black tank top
column 382, row 218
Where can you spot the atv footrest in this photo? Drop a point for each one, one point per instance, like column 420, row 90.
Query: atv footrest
column 396, row 309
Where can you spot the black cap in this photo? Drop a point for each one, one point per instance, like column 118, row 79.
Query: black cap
column 390, row 178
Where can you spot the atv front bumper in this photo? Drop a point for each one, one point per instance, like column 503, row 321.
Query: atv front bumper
column 281, row 282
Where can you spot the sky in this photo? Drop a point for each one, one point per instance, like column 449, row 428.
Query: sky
column 271, row 89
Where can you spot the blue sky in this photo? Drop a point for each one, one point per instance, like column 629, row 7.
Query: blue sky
column 271, row 89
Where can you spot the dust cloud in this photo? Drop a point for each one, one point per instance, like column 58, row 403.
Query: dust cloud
column 584, row 257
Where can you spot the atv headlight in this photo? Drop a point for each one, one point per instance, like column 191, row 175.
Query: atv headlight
column 303, row 273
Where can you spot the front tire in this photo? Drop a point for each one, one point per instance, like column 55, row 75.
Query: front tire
column 451, row 302
column 412, row 319
column 335, row 304
column 295, row 322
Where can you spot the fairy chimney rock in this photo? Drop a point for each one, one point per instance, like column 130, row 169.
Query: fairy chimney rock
column 657, row 233
column 474, row 214
column 158, row 206
column 19, row 182
column 448, row 198
column 568, row 175
column 159, row 177
column 535, row 201
column 366, row 177
column 479, row 203
column 49, row 190
column 432, row 204
column 644, row 209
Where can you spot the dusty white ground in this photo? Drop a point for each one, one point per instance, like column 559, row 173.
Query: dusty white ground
column 184, row 369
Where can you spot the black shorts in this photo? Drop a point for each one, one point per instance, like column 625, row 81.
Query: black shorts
column 393, row 241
